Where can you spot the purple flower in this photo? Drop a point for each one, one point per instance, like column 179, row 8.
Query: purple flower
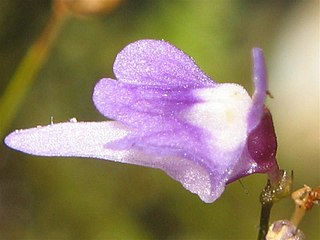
column 168, row 114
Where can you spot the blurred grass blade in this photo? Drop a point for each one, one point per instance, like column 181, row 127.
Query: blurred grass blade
column 28, row 69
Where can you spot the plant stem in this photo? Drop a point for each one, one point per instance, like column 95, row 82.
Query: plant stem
column 278, row 186
column 266, row 200
column 297, row 216
column 29, row 67
column 264, row 220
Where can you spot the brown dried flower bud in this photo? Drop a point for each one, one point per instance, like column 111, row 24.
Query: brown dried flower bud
column 306, row 197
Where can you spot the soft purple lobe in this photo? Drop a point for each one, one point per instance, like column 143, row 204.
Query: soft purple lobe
column 141, row 106
column 156, row 62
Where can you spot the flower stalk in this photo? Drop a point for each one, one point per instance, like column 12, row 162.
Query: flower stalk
column 273, row 192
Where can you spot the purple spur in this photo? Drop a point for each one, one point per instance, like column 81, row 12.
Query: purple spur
column 167, row 114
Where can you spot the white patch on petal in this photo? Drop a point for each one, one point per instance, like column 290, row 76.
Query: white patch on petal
column 223, row 113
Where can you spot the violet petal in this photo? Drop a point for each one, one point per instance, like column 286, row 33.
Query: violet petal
column 156, row 62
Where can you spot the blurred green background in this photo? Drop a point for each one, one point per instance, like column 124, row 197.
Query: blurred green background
column 69, row 198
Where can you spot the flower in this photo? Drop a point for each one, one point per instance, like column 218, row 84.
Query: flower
column 168, row 114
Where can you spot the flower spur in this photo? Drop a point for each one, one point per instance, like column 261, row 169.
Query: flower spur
column 167, row 114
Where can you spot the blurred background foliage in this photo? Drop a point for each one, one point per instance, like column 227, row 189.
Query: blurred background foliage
column 69, row 198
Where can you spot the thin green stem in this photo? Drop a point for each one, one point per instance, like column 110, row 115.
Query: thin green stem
column 28, row 69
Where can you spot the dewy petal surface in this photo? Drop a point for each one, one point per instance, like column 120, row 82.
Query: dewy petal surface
column 80, row 139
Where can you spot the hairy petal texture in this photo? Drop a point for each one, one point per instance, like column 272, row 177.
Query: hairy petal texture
column 156, row 62
column 81, row 139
